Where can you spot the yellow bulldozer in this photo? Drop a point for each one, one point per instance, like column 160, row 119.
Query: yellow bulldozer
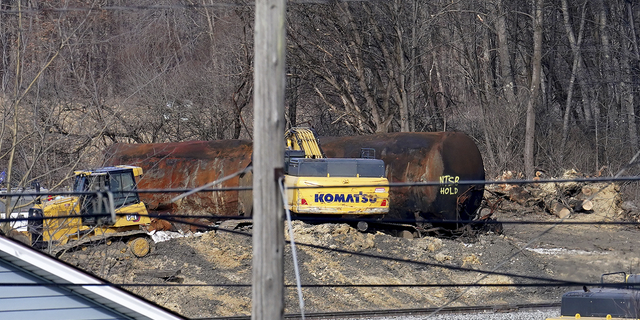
column 348, row 187
column 107, row 209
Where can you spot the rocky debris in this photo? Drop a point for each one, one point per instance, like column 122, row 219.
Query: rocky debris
column 219, row 259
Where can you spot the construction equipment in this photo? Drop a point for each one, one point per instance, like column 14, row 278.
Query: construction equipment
column 335, row 186
column 622, row 302
column 68, row 222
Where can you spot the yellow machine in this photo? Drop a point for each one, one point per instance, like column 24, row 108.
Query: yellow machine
column 114, row 189
column 356, row 186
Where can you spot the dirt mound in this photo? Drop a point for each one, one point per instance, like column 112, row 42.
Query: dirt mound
column 221, row 263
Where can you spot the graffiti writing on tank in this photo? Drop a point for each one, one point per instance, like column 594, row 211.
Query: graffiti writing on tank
column 450, row 186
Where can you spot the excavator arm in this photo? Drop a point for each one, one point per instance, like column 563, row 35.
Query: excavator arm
column 304, row 139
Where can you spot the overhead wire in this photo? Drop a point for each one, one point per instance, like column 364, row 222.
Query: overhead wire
column 337, row 220
column 618, row 285
column 548, row 281
column 374, row 256
column 207, row 188
column 315, row 220
column 211, row 184
column 361, row 254
column 541, row 281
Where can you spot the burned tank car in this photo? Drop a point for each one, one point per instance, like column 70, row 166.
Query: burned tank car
column 409, row 157
column 190, row 164
column 446, row 157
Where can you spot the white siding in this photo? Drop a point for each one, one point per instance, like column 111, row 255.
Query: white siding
column 44, row 302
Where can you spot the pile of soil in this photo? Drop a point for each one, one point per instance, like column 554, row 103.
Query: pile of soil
column 217, row 265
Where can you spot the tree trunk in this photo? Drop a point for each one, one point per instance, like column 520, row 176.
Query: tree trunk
column 294, row 83
column 403, row 103
column 631, row 114
column 413, row 65
column 575, row 70
column 507, row 82
column 536, row 65
column 486, row 92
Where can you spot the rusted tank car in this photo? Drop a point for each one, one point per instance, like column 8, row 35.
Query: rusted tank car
column 188, row 165
column 447, row 157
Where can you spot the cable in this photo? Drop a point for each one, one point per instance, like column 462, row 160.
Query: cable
column 293, row 244
column 420, row 263
column 615, row 285
column 332, row 220
column 177, row 219
column 549, row 281
column 390, row 185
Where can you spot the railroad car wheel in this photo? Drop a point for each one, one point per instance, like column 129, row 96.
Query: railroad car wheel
column 139, row 246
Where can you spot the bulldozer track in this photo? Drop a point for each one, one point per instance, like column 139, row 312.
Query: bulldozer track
column 56, row 251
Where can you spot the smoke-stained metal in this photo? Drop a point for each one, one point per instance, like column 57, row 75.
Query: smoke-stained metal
column 447, row 157
column 189, row 165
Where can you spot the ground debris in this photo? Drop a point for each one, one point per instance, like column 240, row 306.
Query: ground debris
column 403, row 271
column 600, row 200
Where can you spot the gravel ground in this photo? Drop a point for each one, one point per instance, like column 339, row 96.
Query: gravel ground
column 520, row 315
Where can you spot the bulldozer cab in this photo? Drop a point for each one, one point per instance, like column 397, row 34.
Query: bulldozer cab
column 118, row 180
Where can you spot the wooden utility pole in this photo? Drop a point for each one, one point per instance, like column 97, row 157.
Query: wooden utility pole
column 268, row 158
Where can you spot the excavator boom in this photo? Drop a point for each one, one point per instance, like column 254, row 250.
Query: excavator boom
column 304, row 139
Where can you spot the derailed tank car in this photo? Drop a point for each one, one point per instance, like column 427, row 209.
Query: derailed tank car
column 447, row 157
column 191, row 164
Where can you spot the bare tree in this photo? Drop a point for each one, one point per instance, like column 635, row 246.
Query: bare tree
column 535, row 88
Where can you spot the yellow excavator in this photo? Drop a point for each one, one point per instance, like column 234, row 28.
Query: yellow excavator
column 65, row 223
column 349, row 187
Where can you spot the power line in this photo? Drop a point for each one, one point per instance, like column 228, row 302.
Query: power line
column 324, row 219
column 420, row 263
column 617, row 285
column 390, row 185
column 543, row 281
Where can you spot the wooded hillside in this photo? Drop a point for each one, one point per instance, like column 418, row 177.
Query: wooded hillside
column 76, row 76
